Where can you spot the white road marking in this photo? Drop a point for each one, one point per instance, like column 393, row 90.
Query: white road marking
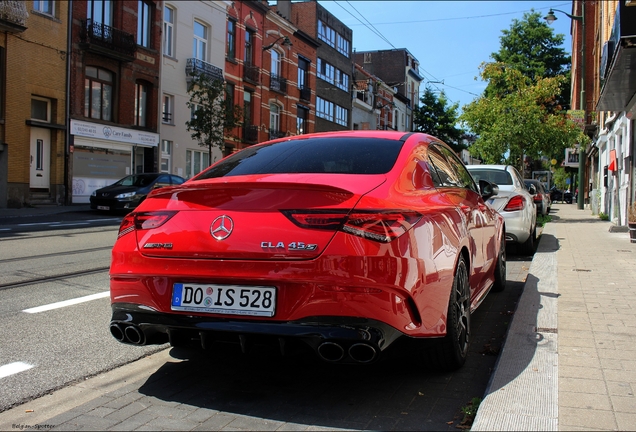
column 14, row 368
column 67, row 302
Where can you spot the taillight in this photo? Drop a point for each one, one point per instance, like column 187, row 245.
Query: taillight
column 143, row 221
column 377, row 225
column 538, row 197
column 517, row 202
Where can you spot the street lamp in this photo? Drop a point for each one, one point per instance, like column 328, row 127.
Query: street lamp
column 550, row 18
column 286, row 42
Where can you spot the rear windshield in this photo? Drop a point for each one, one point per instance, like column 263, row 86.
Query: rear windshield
column 500, row 177
column 311, row 155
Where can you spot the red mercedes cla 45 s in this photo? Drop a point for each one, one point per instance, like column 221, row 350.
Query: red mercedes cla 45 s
column 346, row 241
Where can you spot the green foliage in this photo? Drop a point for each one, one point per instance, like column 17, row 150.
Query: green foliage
column 519, row 120
column 531, row 47
column 214, row 115
column 603, row 216
column 435, row 117
column 559, row 177
column 469, row 411
column 543, row 219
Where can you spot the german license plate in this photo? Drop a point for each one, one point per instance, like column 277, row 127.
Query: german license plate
column 224, row 299
column 103, row 208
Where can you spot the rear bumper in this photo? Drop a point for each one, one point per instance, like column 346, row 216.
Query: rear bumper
column 137, row 325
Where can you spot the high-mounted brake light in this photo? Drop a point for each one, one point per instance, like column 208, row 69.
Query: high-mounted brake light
column 377, row 225
column 517, row 202
column 143, row 221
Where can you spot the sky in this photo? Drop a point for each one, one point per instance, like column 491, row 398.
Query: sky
column 450, row 39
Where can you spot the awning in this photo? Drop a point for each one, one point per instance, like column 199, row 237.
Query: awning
column 620, row 84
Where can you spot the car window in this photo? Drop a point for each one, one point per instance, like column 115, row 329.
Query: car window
column 498, row 176
column 462, row 174
column 163, row 180
column 176, row 180
column 312, row 155
column 446, row 175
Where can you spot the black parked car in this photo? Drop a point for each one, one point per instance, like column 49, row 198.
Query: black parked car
column 561, row 196
column 129, row 192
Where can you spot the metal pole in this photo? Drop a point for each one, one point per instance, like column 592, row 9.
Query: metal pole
column 582, row 105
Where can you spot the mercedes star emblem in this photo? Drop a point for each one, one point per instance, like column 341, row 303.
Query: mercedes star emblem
column 222, row 227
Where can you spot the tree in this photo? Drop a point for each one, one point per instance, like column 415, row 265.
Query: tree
column 214, row 117
column 531, row 47
column 518, row 120
column 435, row 117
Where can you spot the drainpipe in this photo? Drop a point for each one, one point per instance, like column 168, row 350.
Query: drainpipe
column 68, row 182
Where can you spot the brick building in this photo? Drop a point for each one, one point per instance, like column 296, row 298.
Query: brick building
column 334, row 64
column 114, row 84
column 289, row 61
column 32, row 103
column 397, row 68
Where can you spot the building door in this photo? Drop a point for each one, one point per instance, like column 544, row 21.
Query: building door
column 40, row 158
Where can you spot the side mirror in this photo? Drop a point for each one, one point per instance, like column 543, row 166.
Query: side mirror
column 532, row 189
column 488, row 189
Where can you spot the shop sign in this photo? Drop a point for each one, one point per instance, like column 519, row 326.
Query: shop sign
column 113, row 133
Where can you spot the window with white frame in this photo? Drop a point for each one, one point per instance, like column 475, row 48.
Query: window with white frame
column 196, row 161
column 200, row 41
column 143, row 23
column 167, row 109
column 44, row 6
column 342, row 45
column 342, row 80
column 166, row 155
column 41, row 109
column 302, row 114
column 342, row 115
column 326, row 34
column 275, row 70
column 168, row 31
column 325, row 71
column 274, row 120
column 324, row 109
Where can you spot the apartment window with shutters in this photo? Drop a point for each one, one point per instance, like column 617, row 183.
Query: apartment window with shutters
column 143, row 24
column 168, row 31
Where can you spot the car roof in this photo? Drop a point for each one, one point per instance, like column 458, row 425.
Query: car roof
column 498, row 167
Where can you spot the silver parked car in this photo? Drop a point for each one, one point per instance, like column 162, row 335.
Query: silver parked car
column 542, row 198
column 514, row 202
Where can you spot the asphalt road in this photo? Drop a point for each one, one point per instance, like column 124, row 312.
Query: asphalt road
column 64, row 343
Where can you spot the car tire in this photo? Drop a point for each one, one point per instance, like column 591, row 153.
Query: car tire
column 500, row 267
column 527, row 247
column 450, row 352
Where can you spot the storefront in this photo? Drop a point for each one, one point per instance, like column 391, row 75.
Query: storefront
column 103, row 154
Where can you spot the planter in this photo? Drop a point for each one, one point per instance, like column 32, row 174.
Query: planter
column 632, row 231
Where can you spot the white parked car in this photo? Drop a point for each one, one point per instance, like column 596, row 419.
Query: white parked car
column 514, row 202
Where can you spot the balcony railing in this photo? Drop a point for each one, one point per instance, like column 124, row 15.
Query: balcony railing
column 250, row 134
column 274, row 134
column 251, row 73
column 305, row 93
column 278, row 83
column 107, row 40
column 13, row 16
column 195, row 66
